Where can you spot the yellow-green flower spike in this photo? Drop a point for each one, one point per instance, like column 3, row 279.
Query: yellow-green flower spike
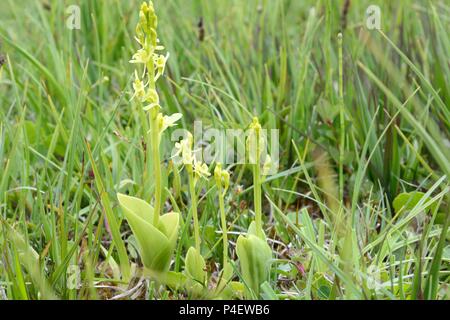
column 156, row 234
column 222, row 177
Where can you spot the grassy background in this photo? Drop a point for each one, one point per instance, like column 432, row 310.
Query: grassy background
column 70, row 139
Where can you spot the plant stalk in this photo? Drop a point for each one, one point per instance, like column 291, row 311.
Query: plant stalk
column 194, row 206
column 341, row 120
column 224, row 225
column 257, row 187
column 155, row 141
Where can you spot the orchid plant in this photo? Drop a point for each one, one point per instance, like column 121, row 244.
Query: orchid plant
column 156, row 234
column 194, row 263
column 252, row 249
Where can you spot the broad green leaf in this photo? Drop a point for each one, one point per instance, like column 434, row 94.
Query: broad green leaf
column 195, row 266
column 408, row 201
column 195, row 272
column 172, row 279
column 156, row 244
column 254, row 255
column 136, row 206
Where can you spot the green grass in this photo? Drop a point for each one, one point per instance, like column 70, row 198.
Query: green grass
column 350, row 143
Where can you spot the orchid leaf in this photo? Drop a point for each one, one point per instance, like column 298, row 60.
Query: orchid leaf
column 195, row 266
column 407, row 201
column 254, row 255
column 156, row 244
column 195, row 272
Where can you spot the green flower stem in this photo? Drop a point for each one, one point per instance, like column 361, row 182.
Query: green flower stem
column 155, row 142
column 257, row 197
column 257, row 188
column 341, row 120
column 224, row 224
column 192, row 183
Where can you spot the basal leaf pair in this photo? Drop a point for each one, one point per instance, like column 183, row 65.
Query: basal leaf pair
column 156, row 242
column 254, row 257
